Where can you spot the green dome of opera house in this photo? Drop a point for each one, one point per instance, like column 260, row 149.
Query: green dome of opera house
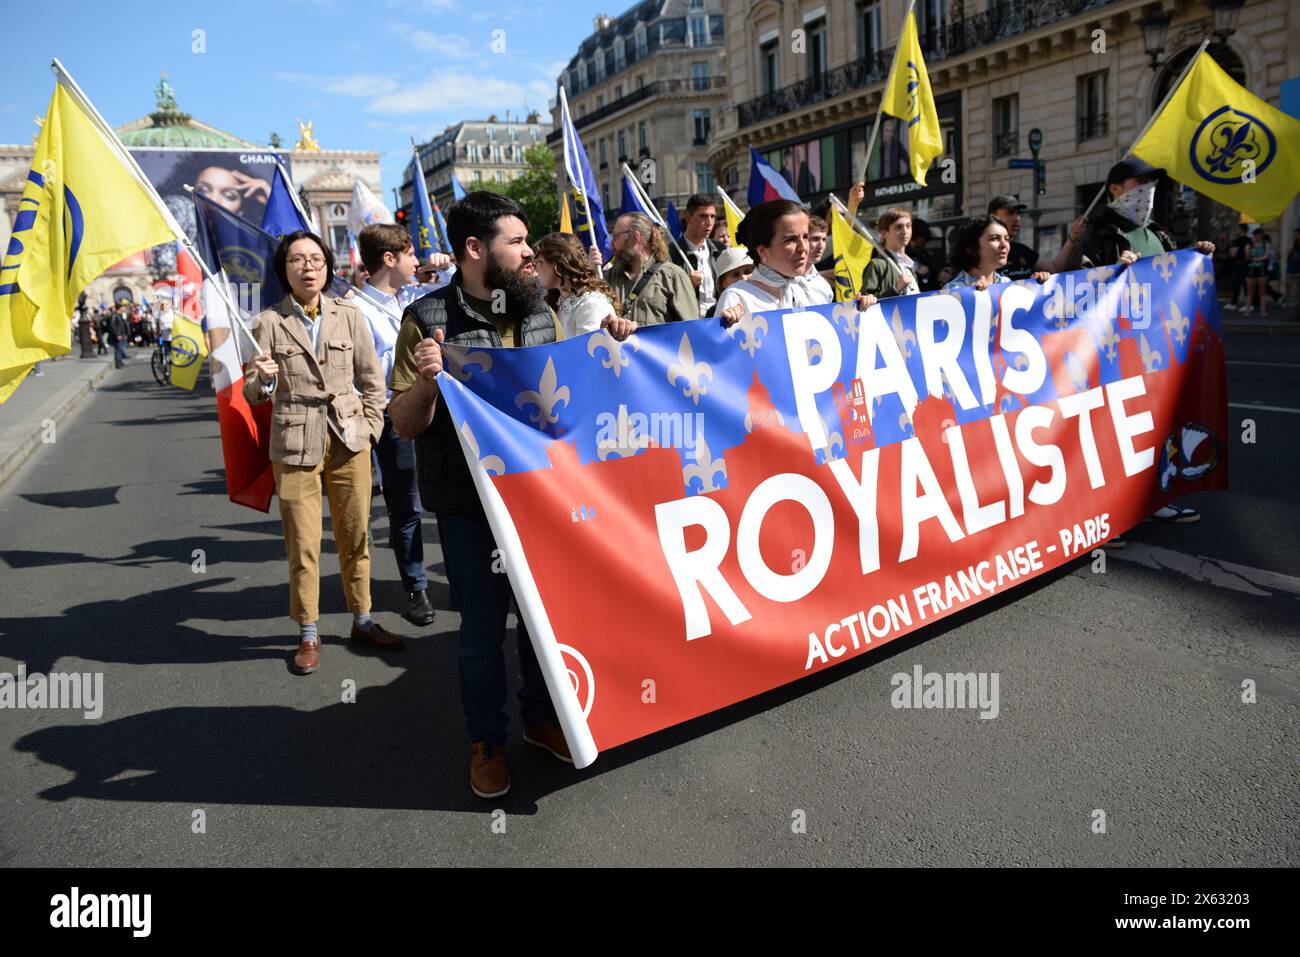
column 168, row 127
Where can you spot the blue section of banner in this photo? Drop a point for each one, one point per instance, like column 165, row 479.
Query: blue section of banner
column 701, row 382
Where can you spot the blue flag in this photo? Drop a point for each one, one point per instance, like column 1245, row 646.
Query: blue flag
column 631, row 201
column 424, row 229
column 282, row 216
column 243, row 252
column 674, row 222
column 578, row 168
column 457, row 190
column 442, row 228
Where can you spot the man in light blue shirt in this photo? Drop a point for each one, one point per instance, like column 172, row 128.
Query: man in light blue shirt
column 389, row 258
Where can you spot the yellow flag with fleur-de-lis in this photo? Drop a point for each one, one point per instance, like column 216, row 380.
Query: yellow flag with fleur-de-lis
column 1217, row 137
column 908, row 97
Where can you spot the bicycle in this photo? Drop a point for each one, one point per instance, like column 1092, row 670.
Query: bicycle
column 161, row 362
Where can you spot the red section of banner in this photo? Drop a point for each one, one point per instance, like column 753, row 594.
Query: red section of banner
column 591, row 534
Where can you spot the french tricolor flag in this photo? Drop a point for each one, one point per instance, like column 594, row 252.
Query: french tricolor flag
column 765, row 182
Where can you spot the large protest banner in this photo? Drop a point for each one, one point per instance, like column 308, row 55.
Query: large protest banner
column 697, row 515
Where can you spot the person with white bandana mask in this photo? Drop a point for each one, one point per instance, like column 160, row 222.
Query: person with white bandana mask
column 1123, row 233
column 777, row 232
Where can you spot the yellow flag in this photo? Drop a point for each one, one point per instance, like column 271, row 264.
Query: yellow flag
column 188, row 352
column 1220, row 139
column 909, row 98
column 852, row 253
column 566, row 222
column 81, row 212
column 733, row 214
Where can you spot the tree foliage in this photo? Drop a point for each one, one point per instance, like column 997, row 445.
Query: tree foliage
column 534, row 190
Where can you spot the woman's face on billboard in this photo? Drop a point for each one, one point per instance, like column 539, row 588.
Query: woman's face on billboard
column 220, row 186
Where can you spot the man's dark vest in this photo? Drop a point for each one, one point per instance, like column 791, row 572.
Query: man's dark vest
column 445, row 481
column 1102, row 244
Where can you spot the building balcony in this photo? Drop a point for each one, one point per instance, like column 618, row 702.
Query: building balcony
column 712, row 85
column 1092, row 125
column 1003, row 19
column 1006, row 144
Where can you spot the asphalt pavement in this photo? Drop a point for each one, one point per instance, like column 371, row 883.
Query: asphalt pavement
column 1119, row 692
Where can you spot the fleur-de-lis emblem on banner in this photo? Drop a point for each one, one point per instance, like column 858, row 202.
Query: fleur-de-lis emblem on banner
column 1202, row 279
column 1164, row 264
column 1177, row 325
column 615, row 358
column 546, row 397
column 458, row 361
column 492, row 464
column 834, row 440
column 846, row 313
column 1078, row 377
column 905, row 338
column 696, row 375
column 1100, row 274
column 705, row 466
column 627, row 440
column 752, row 327
column 1110, row 341
column 1150, row 360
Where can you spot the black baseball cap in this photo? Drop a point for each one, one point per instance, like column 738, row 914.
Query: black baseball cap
column 1133, row 166
column 1005, row 201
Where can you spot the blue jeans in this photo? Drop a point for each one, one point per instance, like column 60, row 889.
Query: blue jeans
column 402, row 496
column 484, row 598
column 119, row 352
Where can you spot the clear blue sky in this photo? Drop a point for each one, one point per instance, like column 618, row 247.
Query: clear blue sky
column 369, row 74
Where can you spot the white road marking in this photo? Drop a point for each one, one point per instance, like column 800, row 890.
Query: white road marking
column 1213, row 571
column 1262, row 408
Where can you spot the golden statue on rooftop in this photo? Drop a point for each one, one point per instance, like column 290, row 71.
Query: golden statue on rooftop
column 306, row 141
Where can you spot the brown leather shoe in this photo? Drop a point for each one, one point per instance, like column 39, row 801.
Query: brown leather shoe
column 376, row 636
column 549, row 737
column 488, row 775
column 307, row 658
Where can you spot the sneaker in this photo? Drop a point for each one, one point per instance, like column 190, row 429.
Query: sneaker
column 549, row 737
column 1115, row 542
column 1174, row 513
column 1229, row 307
column 488, row 775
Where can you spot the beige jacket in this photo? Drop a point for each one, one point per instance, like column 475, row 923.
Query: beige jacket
column 315, row 395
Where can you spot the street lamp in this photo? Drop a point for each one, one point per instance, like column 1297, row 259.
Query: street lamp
column 1155, row 31
column 1226, row 13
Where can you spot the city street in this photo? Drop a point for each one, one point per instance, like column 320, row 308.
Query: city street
column 1120, row 692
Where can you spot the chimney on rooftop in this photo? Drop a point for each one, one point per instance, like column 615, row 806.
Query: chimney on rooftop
column 601, row 21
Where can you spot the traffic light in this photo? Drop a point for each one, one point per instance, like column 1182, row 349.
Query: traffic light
column 401, row 217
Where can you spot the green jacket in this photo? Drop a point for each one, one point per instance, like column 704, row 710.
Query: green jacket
column 880, row 278
column 668, row 296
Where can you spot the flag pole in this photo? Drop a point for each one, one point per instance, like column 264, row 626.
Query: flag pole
column 64, row 78
column 657, row 219
column 566, row 122
column 875, row 128
column 1154, row 116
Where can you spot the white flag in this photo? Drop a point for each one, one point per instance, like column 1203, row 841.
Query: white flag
column 365, row 209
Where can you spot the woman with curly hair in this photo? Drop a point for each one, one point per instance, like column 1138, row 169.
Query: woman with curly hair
column 586, row 300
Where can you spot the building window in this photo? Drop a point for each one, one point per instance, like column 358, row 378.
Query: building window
column 622, row 146
column 604, row 195
column 339, row 240
column 699, row 35
column 816, row 56
column 643, row 136
column 640, row 82
column 600, row 65
column 604, row 160
column 704, row 182
column 769, row 61
column 869, row 29
column 701, row 127
column 1092, row 105
column 500, row 177
column 620, row 60
column 478, row 176
column 930, row 15
column 699, row 76
column 639, row 40
column 618, row 92
column 600, row 101
column 1006, row 125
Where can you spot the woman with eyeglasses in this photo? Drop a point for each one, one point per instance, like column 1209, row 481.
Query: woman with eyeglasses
column 319, row 370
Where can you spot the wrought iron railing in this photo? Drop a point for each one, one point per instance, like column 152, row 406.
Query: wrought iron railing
column 712, row 84
column 1092, row 124
column 1006, row 144
column 1003, row 19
